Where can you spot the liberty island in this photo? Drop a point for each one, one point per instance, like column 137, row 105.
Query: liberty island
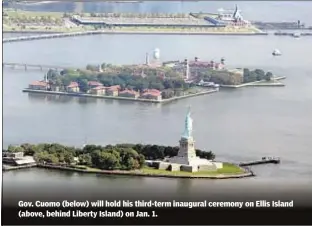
column 130, row 159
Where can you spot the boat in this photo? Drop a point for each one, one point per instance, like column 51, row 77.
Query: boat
column 276, row 52
column 216, row 86
column 296, row 35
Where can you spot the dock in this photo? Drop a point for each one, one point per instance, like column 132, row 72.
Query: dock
column 292, row 34
column 264, row 160
column 10, row 167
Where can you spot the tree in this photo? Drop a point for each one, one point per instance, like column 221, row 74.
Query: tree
column 268, row 76
column 52, row 74
column 166, row 94
column 12, row 148
column 171, row 151
column 246, row 75
column 141, row 160
column 58, row 81
column 205, row 154
column 168, row 84
column 65, row 80
column 83, row 85
column 252, row 76
column 92, row 67
column 178, row 84
column 129, row 159
column 108, row 161
column 95, row 157
column 68, row 157
column 103, row 66
column 138, row 148
column 132, row 163
column 28, row 149
column 260, row 74
column 156, row 85
column 85, row 159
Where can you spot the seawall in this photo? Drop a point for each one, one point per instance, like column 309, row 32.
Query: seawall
column 117, row 97
column 141, row 174
column 9, row 168
column 121, row 32
column 292, row 34
column 257, row 83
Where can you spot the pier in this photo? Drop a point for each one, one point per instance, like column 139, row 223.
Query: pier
column 292, row 34
column 41, row 67
column 9, row 168
column 264, row 160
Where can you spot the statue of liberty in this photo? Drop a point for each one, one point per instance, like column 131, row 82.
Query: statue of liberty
column 188, row 125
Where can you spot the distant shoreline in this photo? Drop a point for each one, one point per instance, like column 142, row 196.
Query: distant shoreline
column 31, row 32
column 62, row 34
column 138, row 31
column 117, row 97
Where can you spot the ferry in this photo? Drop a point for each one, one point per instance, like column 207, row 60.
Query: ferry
column 276, row 52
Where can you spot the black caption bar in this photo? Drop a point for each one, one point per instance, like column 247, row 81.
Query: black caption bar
column 156, row 216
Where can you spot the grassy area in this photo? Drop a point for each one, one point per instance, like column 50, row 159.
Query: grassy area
column 9, row 28
column 90, row 168
column 39, row 29
column 195, row 90
column 227, row 169
column 20, row 13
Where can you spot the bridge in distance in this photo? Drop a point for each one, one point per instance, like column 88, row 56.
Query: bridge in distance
column 41, row 67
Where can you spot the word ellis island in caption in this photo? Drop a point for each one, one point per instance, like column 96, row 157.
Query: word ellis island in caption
column 29, row 207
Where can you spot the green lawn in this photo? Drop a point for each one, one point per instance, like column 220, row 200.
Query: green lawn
column 19, row 13
column 227, row 169
column 42, row 29
column 194, row 90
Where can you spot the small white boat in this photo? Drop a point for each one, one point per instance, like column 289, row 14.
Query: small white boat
column 276, row 52
column 216, row 86
column 296, row 35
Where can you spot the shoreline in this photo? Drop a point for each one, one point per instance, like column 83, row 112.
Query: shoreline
column 55, row 34
column 31, row 32
column 116, row 97
column 258, row 84
column 138, row 31
column 139, row 173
